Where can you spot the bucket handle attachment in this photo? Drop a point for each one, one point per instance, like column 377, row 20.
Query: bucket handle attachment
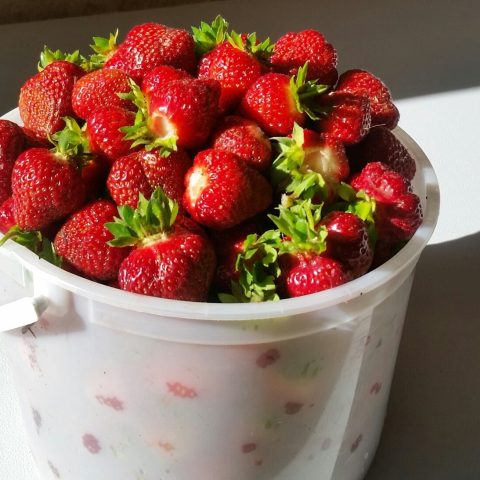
column 22, row 312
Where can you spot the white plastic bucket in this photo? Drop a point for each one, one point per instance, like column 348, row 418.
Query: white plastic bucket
column 114, row 385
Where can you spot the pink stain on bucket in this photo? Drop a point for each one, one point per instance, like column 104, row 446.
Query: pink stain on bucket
column 268, row 358
column 291, row 408
column 356, row 443
column 180, row 390
column 249, row 447
column 112, row 402
column 91, row 443
column 376, row 387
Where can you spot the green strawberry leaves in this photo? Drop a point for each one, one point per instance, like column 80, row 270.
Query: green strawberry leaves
column 208, row 36
column 258, row 268
column 262, row 50
column 152, row 219
column 71, row 141
column 48, row 56
column 35, row 242
column 103, row 48
column 139, row 133
column 304, row 93
column 299, row 223
column 288, row 173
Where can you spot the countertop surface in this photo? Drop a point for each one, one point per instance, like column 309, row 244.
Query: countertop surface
column 429, row 58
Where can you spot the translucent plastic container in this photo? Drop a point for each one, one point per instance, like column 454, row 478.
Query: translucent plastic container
column 114, row 385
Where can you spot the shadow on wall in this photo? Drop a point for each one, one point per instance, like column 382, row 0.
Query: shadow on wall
column 437, row 427
column 12, row 11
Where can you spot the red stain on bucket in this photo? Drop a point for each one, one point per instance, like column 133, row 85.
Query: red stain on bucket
column 112, row 402
column 356, row 443
column 376, row 387
column 268, row 358
column 291, row 408
column 249, row 447
column 167, row 446
column 91, row 443
column 180, row 390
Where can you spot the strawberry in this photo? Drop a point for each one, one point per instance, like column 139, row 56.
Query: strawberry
column 348, row 241
column 364, row 84
column 158, row 77
column 276, row 101
column 46, row 186
column 142, row 172
column 222, row 191
column 303, row 274
column 104, row 135
column 99, row 89
column 245, row 139
column 304, row 260
column 168, row 260
column 127, row 180
column 381, row 145
column 46, row 98
column 235, row 65
column 12, row 143
column 293, row 49
column 7, row 215
column 82, row 242
column 309, row 165
column 184, row 110
column 94, row 175
column 228, row 244
column 398, row 211
column 347, row 117
column 149, row 45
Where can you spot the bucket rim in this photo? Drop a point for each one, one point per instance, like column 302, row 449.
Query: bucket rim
column 251, row 311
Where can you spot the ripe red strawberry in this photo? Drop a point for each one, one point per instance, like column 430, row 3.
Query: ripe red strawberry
column 398, row 212
column 160, row 76
column 104, row 135
column 46, row 97
column 12, row 143
column 185, row 109
column 365, row 84
column 149, row 45
column 381, row 145
column 142, row 172
column 234, row 65
column 244, row 138
column 222, row 191
column 304, row 273
column 99, row 89
column 82, row 242
column 127, row 180
column 46, row 186
column 276, row 101
column 304, row 264
column 228, row 244
column 94, row 175
column 348, row 242
column 7, row 215
column 309, row 165
column 293, row 49
column 347, row 117
column 168, row 260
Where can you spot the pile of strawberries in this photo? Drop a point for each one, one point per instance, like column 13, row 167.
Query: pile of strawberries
column 207, row 166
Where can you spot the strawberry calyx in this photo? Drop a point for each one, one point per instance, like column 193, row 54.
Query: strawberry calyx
column 208, row 36
column 151, row 221
column 288, row 172
column 305, row 92
column 104, row 47
column 35, row 242
column 249, row 43
column 140, row 133
column 48, row 56
column 258, row 270
column 71, row 141
column 299, row 224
